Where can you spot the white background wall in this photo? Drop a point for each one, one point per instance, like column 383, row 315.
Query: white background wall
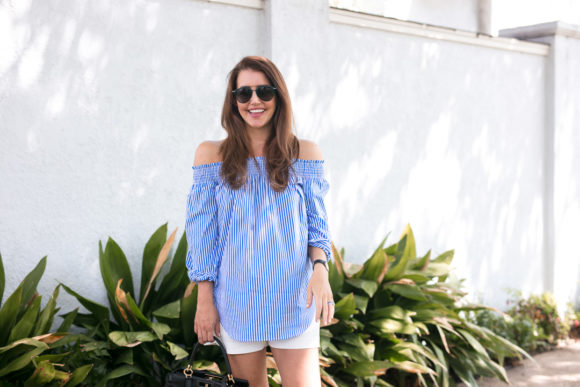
column 102, row 104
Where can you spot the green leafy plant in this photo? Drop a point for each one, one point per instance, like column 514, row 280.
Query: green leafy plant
column 532, row 323
column 148, row 335
column 26, row 344
column 400, row 319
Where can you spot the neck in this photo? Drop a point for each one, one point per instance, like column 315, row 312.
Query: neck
column 258, row 138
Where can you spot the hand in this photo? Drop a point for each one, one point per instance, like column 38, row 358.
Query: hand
column 207, row 322
column 319, row 289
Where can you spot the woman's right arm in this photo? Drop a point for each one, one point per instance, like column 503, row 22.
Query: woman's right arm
column 201, row 229
column 207, row 321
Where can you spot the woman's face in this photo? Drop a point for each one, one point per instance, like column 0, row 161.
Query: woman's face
column 256, row 113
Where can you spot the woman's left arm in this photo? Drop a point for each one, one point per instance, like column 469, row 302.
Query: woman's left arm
column 319, row 287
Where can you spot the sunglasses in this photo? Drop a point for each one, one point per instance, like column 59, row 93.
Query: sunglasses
column 264, row 92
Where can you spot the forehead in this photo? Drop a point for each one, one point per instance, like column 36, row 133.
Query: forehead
column 249, row 77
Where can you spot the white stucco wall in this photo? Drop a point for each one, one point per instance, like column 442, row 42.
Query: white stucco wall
column 567, row 170
column 459, row 14
column 515, row 13
column 102, row 104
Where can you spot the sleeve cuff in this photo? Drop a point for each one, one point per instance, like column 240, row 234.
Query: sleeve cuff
column 197, row 276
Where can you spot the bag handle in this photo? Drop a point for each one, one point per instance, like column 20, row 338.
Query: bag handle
column 189, row 369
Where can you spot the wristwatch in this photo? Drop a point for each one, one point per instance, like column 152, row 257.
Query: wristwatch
column 322, row 262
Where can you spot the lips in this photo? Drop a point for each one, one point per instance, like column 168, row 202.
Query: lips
column 255, row 112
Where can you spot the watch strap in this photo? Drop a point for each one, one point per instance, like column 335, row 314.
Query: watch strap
column 321, row 261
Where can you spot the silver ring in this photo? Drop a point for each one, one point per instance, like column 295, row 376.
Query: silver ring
column 330, row 302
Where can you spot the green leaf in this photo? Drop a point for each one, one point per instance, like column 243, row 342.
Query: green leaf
column 114, row 266
column 79, row 375
column 413, row 368
column 46, row 317
column 436, row 269
column 9, row 313
column 410, row 250
column 26, row 341
column 119, row 372
column 30, row 282
column 418, row 277
column 176, row 280
column 150, row 257
column 420, row 263
column 345, row 307
column 361, row 302
column 43, row 374
column 445, row 258
column 335, row 278
column 131, row 339
column 137, row 311
column 25, row 325
column 473, row 342
column 124, row 356
column 20, row 362
column 398, row 266
column 408, row 291
column 387, row 325
column 368, row 368
column 393, row 312
column 68, row 320
column 160, row 329
column 375, row 267
column 177, row 352
column 171, row 310
column 188, row 307
column 2, row 279
column 100, row 313
column 369, row 287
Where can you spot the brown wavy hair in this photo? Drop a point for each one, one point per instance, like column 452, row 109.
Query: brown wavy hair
column 281, row 146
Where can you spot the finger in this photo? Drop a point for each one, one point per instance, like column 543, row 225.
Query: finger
column 309, row 298
column 325, row 312
column 217, row 329
column 318, row 303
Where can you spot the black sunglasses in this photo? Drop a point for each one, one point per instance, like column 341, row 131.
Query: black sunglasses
column 264, row 92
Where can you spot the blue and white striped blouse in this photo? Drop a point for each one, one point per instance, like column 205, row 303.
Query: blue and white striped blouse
column 253, row 244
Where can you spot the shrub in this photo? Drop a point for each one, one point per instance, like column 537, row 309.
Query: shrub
column 532, row 323
column 27, row 344
column 400, row 319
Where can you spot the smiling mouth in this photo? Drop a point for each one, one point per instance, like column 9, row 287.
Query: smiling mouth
column 256, row 110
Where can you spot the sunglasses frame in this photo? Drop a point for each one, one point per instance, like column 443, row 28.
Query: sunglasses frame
column 259, row 90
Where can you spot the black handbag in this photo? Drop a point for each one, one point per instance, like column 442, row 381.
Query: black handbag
column 188, row 377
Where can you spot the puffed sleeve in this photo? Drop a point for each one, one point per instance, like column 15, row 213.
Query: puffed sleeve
column 315, row 187
column 201, row 226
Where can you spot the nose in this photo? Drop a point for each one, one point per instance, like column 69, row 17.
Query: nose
column 254, row 99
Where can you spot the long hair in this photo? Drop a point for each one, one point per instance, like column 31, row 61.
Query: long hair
column 281, row 146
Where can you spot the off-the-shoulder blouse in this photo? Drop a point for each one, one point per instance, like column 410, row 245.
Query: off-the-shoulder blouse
column 253, row 244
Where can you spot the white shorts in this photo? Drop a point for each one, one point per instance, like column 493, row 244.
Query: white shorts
column 310, row 338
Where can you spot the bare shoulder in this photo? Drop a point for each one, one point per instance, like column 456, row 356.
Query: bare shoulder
column 207, row 152
column 309, row 150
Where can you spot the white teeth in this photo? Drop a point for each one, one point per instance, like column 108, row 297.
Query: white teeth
column 256, row 110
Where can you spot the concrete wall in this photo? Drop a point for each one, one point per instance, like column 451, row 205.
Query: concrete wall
column 459, row 14
column 102, row 104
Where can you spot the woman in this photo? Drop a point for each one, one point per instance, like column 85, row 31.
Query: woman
column 258, row 233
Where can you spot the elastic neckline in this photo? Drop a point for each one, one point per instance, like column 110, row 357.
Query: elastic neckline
column 260, row 159
column 304, row 168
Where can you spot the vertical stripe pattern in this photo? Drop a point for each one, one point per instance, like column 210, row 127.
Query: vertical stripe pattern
column 253, row 244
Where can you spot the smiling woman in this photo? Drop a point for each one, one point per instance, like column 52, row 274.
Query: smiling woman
column 258, row 233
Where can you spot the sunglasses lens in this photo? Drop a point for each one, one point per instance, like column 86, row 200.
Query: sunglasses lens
column 243, row 94
column 265, row 93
